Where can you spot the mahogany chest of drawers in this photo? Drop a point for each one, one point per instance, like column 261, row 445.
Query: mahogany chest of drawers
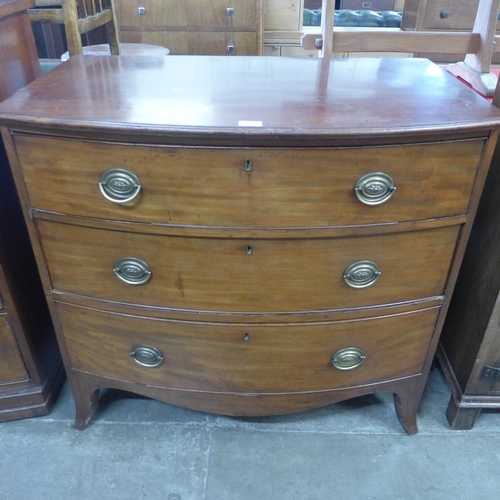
column 249, row 236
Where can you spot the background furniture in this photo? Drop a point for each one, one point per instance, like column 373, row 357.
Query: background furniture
column 478, row 45
column 469, row 351
column 80, row 17
column 205, row 242
column 367, row 4
column 193, row 26
column 30, row 364
column 441, row 15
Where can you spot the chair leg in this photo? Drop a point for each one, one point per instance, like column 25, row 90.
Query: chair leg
column 73, row 37
column 112, row 30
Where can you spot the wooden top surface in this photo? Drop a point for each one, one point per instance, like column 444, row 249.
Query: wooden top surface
column 9, row 7
column 259, row 96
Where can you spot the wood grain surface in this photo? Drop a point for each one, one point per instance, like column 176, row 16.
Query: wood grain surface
column 285, row 188
column 215, row 357
column 225, row 244
column 11, row 368
column 350, row 99
column 218, row 275
column 187, row 14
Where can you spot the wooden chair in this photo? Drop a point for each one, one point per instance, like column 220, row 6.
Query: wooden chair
column 478, row 45
column 82, row 16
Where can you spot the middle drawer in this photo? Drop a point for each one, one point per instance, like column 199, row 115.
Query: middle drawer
column 235, row 275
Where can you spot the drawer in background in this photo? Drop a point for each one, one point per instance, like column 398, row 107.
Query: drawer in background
column 281, row 275
column 245, row 358
column 164, row 14
column 203, row 43
column 281, row 188
column 440, row 15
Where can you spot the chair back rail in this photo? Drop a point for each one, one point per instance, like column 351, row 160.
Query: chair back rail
column 478, row 45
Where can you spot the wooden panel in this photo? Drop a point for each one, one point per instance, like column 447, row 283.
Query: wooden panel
column 215, row 357
column 376, row 5
column 219, row 275
column 460, row 15
column 9, row 7
column 300, row 52
column 18, row 57
column 393, row 40
column 271, row 50
column 11, row 364
column 29, row 358
column 368, row 107
column 197, row 42
column 432, row 180
column 282, row 14
column 440, row 15
column 164, row 14
column 471, row 332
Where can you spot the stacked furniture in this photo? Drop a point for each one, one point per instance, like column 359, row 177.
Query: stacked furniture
column 30, row 363
column 205, row 241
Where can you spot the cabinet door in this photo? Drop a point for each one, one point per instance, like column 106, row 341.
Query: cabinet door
column 11, row 364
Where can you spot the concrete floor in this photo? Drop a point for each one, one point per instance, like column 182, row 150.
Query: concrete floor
column 140, row 449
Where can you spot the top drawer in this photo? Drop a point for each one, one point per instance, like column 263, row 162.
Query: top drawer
column 220, row 188
column 187, row 13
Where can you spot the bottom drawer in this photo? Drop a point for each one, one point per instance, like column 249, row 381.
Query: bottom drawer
column 247, row 358
column 206, row 43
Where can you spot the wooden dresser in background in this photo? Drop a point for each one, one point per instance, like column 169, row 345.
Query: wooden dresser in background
column 215, row 27
column 441, row 15
column 30, row 363
column 249, row 235
column 469, row 352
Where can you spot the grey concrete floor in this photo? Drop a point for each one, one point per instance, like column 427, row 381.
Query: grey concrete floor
column 140, row 449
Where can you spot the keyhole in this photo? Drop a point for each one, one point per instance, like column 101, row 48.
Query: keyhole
column 249, row 250
column 246, row 336
column 248, row 165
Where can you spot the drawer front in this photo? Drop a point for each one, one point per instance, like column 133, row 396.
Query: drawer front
column 376, row 5
column 203, row 43
column 247, row 275
column 450, row 15
column 11, row 364
column 242, row 358
column 280, row 188
column 164, row 14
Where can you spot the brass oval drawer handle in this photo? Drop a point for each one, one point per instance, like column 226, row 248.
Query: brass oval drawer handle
column 374, row 189
column 348, row 358
column 362, row 274
column 119, row 185
column 132, row 271
column 146, row 355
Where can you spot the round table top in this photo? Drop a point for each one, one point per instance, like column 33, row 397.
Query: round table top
column 127, row 49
